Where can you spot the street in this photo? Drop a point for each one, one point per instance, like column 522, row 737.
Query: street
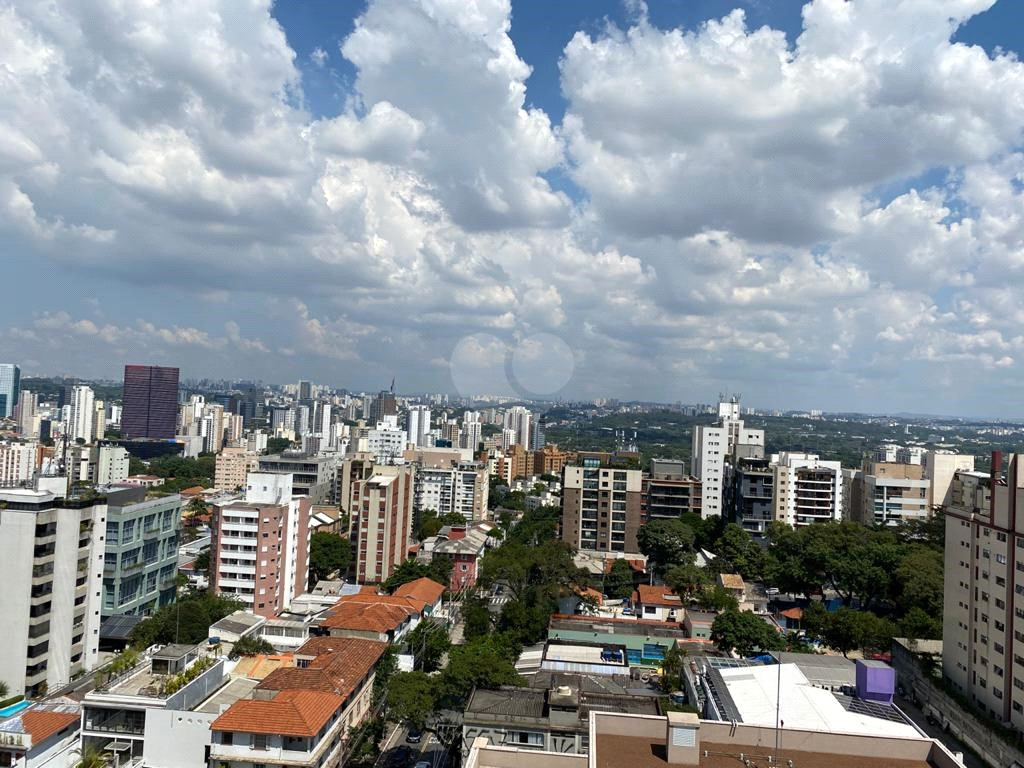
column 397, row 752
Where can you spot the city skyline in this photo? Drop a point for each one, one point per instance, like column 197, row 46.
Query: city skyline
column 818, row 204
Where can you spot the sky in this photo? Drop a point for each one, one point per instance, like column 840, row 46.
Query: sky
column 816, row 205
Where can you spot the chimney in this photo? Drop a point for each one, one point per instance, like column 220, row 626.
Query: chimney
column 997, row 468
column 682, row 738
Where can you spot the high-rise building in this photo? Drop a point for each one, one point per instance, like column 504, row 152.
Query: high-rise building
column 751, row 494
column 807, row 490
column 715, row 446
column 141, row 552
column 259, row 551
column 53, row 571
column 150, row 402
column 418, row 425
column 28, row 419
column 669, row 491
column 305, row 390
column 518, row 419
column 81, row 425
column 380, row 521
column 17, row 463
column 887, row 493
column 233, row 466
column 983, row 618
column 602, row 507
column 10, row 386
column 384, row 404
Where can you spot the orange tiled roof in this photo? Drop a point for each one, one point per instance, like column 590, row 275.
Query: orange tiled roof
column 42, row 724
column 290, row 713
column 636, row 565
column 317, row 645
column 336, row 671
column 368, row 617
column 793, row 613
column 373, row 598
column 427, row 591
column 653, row 595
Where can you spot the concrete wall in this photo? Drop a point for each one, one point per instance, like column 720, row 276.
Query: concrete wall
column 176, row 738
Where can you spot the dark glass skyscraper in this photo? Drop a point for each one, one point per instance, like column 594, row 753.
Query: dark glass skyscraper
column 150, row 402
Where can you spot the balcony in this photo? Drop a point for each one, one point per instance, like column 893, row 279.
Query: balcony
column 247, row 754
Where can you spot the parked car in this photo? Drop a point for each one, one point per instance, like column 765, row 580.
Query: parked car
column 414, row 737
column 422, row 764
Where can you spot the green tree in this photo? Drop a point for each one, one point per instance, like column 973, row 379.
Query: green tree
column 251, row 646
column 90, row 757
column 186, row 621
column 329, row 553
column 486, row 662
column 919, row 582
column 687, row 580
column 745, row 633
column 387, row 668
column 919, row 625
column 673, row 668
column 428, row 643
column 526, row 619
column 618, row 584
column 476, row 617
column 202, row 564
column 277, row 445
column 737, row 552
column 666, row 542
column 847, row 629
column 715, row 597
column 411, row 699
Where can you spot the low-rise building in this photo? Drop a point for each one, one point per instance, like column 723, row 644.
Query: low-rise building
column 42, row 734
column 657, row 603
column 552, row 713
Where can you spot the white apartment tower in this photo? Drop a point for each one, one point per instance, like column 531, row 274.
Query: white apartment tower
column 418, row 425
column 82, row 414
column 17, row 463
column 53, row 573
column 518, row 419
column 718, row 444
column 807, row 490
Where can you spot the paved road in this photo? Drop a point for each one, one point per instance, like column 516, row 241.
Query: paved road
column 396, row 744
column 935, row 731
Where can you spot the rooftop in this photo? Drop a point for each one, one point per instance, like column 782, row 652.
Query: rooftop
column 42, row 720
column 290, row 713
column 339, row 671
column 648, row 594
column 423, row 590
column 237, row 623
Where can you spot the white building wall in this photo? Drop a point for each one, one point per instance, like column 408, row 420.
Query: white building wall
column 176, row 739
column 17, row 463
column 112, row 465
column 17, row 538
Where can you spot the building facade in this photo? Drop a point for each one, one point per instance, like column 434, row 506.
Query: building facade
column 983, row 611
column 53, row 569
column 233, row 466
column 670, row 490
column 150, row 402
column 141, row 552
column 380, row 521
column 716, row 445
column 891, row 494
column 807, row 490
column 312, row 476
column 751, row 494
column 17, row 463
column 259, row 551
column 10, row 387
column 602, row 507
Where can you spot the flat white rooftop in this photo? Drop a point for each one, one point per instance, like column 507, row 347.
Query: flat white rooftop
column 755, row 692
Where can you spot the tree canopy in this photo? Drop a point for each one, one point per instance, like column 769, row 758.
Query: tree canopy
column 187, row 621
column 666, row 543
column 745, row 633
column 439, row 569
column 329, row 553
column 618, row 583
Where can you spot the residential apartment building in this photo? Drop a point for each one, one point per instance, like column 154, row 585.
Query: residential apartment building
column 380, row 520
column 549, row 460
column 669, row 491
column 602, row 507
column 807, row 490
column 232, row 467
column 313, row 476
column 53, row 570
column 716, row 445
column 259, row 551
column 751, row 494
column 98, row 464
column 455, row 487
column 889, row 493
column 140, row 564
column 17, row 463
column 983, row 611
column 418, row 425
column 81, row 422
column 150, row 402
column 940, row 467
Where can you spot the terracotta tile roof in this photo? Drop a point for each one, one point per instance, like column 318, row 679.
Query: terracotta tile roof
column 636, row 565
column 319, row 644
column 290, row 713
column 195, row 490
column 366, row 617
column 338, row 671
column 259, row 666
column 793, row 613
column 732, row 581
column 653, row 595
column 424, row 590
column 42, row 724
